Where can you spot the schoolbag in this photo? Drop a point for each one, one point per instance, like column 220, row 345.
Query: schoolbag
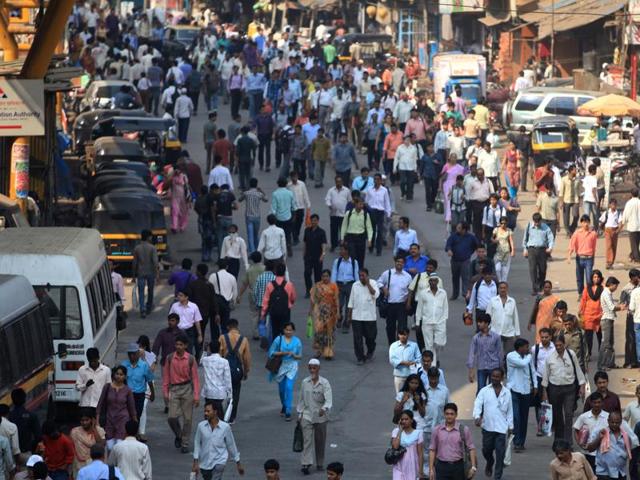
column 283, row 139
column 174, row 95
column 353, row 267
column 235, row 364
column 279, row 300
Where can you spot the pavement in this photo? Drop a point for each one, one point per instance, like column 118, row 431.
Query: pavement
column 360, row 428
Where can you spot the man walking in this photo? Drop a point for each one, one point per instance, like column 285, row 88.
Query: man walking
column 337, row 199
column 432, row 313
column 212, row 445
column 302, row 204
column 216, row 376
column 253, row 198
column 583, row 243
column 361, row 313
column 145, row 270
column 504, row 317
column 246, row 156
column 631, row 221
column 344, row 273
column 91, row 379
column 183, row 109
column 343, row 154
column 139, row 376
column 461, row 245
column 278, row 300
column 569, row 196
column 315, row 245
column 379, row 203
column 313, row 407
column 447, row 449
column 202, row 293
column 357, row 231
column 485, row 352
column 394, row 284
column 404, row 357
column 283, row 206
column 273, row 243
column 520, row 382
column 493, row 411
column 131, row 456
column 181, row 390
column 537, row 245
column 606, row 357
column 234, row 347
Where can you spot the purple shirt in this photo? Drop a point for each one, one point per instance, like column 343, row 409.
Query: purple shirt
column 250, row 55
column 264, row 125
column 485, row 351
column 165, row 343
column 447, row 443
column 180, row 280
column 119, row 407
column 236, row 82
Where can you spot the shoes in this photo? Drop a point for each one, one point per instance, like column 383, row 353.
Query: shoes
column 177, row 442
column 268, row 169
column 166, row 410
column 370, row 357
column 360, row 362
column 184, row 450
column 305, row 470
column 307, row 295
column 345, row 329
column 539, row 434
column 282, row 412
column 143, row 315
column 287, row 418
column 488, row 471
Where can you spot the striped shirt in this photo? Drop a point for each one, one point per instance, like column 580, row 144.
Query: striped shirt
column 261, row 286
column 253, row 197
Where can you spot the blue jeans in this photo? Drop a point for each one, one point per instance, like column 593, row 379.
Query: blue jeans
column 584, row 267
column 222, row 225
column 253, row 232
column 285, row 388
column 591, row 210
column 255, row 103
column 213, row 102
column 483, row 378
column 520, row 417
column 636, row 328
column 59, row 475
column 149, row 281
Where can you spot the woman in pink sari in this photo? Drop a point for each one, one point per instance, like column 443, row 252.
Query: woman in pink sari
column 180, row 200
column 511, row 167
column 448, row 179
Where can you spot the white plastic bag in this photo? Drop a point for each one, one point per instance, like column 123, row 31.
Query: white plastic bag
column 134, row 297
column 587, row 389
column 546, row 418
column 227, row 413
column 508, row 450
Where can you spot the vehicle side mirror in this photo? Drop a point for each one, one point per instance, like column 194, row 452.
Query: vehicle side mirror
column 62, row 350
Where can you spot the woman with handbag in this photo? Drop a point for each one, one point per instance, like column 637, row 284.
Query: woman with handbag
column 116, row 407
column 406, row 437
column 284, row 353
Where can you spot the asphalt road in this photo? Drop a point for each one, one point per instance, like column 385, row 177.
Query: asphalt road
column 360, row 427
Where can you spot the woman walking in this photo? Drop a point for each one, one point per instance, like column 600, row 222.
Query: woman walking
column 447, row 181
column 406, row 435
column 511, row 167
column 180, row 195
column 116, row 406
column 289, row 347
column 591, row 310
column 544, row 309
column 412, row 396
column 325, row 312
column 505, row 249
column 511, row 205
column 148, row 356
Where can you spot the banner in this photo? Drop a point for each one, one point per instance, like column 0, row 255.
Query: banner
column 21, row 108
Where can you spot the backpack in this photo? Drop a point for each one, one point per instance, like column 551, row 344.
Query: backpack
column 235, row 364
column 353, row 267
column 366, row 215
column 283, row 139
column 279, row 300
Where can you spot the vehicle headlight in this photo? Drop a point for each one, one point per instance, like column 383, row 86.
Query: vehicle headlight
column 81, row 122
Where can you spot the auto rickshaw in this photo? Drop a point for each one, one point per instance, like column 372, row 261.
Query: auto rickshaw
column 551, row 137
column 84, row 123
column 115, row 166
column 121, row 215
column 115, row 180
column 371, row 46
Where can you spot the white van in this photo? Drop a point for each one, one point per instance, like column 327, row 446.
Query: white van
column 537, row 102
column 68, row 270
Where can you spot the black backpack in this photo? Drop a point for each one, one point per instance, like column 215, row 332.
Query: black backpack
column 279, row 300
column 283, row 139
column 235, row 364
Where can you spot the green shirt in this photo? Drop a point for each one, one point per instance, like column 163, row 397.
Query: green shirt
column 252, row 275
column 329, row 53
column 321, row 149
column 356, row 223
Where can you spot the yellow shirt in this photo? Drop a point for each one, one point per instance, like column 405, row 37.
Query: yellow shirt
column 482, row 116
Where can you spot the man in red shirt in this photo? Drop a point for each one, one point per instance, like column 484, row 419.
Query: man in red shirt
column 58, row 451
column 181, row 390
column 223, row 147
column 543, row 177
column 583, row 243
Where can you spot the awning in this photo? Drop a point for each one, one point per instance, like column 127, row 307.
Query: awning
column 578, row 14
column 493, row 20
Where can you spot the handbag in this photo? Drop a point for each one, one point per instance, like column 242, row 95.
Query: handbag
column 273, row 363
column 466, row 453
column 394, row 455
column 439, row 203
column 382, row 302
column 298, row 439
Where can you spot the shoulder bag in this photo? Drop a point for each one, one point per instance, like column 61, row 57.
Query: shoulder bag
column 383, row 300
column 273, row 363
column 466, row 453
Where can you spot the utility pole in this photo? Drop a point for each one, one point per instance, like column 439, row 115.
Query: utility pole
column 553, row 36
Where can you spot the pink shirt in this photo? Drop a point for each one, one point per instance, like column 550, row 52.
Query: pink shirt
column 447, row 444
column 417, row 126
column 289, row 288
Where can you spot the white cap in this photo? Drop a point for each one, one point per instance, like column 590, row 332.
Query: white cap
column 314, row 361
column 605, row 65
column 33, row 459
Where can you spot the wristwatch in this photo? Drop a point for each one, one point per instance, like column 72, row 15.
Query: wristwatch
column 474, row 468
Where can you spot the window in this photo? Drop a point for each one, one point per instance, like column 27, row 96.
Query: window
column 582, row 100
column 561, row 106
column 528, row 103
column 63, row 307
column 101, row 297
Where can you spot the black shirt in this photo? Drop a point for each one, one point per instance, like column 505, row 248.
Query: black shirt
column 224, row 203
column 314, row 239
column 203, row 206
column 245, row 148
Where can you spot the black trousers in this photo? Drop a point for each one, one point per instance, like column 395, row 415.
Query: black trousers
column 335, row 225
column 364, row 331
column 138, row 400
column 570, row 215
column 233, row 266
column 634, row 241
column 396, row 319
column 630, row 355
column 476, row 217
column 236, row 101
column 312, row 266
column 300, row 166
column 298, row 220
column 377, row 222
column 450, row 470
column 357, row 245
column 287, row 226
column 563, row 400
column 235, row 388
column 430, row 191
column 264, row 151
column 277, row 322
column 537, row 257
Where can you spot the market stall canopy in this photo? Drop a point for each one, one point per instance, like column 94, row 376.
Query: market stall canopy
column 610, row 105
column 319, row 4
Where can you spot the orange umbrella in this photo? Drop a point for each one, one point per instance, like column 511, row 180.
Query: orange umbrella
column 610, row 105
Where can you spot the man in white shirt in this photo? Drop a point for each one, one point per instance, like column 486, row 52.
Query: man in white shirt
column 432, row 313
column 131, row 456
column 378, row 201
column 504, row 317
column 590, row 421
column 405, row 162
column 488, row 161
column 482, row 292
column 477, row 191
column 520, row 382
column 216, row 378
column 521, row 82
column 272, row 244
column 301, row 196
column 234, row 250
column 220, row 175
column 540, row 353
column 631, row 221
column 493, row 411
column 402, row 111
column 92, row 378
column 361, row 313
column 336, row 199
column 190, row 319
column 225, row 286
column 394, row 284
column 182, row 112
column 590, row 199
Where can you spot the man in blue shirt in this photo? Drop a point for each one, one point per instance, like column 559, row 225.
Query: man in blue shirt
column 181, row 278
column 460, row 246
column 139, row 375
column 537, row 244
column 97, row 469
column 364, row 182
column 255, row 84
column 415, row 262
column 344, row 272
column 404, row 238
column 283, row 204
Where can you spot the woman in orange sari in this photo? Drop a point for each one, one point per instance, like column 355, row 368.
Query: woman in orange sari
column 542, row 313
column 325, row 311
column 590, row 309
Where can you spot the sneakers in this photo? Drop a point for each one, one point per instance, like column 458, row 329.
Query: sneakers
column 177, row 442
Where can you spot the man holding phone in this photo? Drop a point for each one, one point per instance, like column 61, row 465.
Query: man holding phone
column 92, row 378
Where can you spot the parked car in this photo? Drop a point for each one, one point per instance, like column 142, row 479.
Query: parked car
column 537, row 102
column 84, row 123
column 101, row 94
column 178, row 40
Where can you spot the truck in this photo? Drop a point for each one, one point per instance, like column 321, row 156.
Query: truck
column 455, row 68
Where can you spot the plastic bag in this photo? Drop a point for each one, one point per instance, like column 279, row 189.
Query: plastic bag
column 298, row 439
column 307, row 218
column 309, row 326
column 546, row 418
column 587, row 389
column 509, row 449
column 227, row 412
column 134, row 297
